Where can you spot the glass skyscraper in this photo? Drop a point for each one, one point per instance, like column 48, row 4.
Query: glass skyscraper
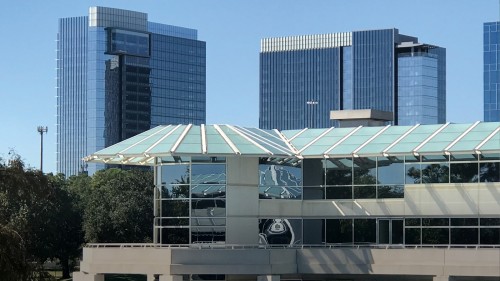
column 303, row 78
column 118, row 75
column 491, row 71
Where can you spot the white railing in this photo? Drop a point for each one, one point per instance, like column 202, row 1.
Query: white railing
column 286, row 246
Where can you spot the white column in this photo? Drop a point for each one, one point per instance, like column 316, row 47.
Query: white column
column 440, row 278
column 170, row 277
column 82, row 276
column 268, row 278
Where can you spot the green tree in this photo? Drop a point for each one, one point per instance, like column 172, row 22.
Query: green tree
column 38, row 209
column 118, row 206
column 13, row 263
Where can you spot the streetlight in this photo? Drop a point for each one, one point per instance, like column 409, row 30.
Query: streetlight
column 312, row 103
column 41, row 130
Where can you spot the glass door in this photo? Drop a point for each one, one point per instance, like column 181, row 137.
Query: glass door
column 390, row 231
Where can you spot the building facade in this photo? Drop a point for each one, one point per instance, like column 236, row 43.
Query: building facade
column 119, row 75
column 303, row 78
column 491, row 72
column 362, row 203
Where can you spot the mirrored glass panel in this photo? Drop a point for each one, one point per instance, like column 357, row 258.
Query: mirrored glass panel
column 208, row 234
column 365, row 170
column 208, row 191
column 413, row 174
column 390, row 191
column 173, row 221
column 464, row 236
column 175, row 191
column 174, row 208
column 174, row 235
column 208, row 221
column 391, row 170
column 208, row 174
column 464, row 172
column 412, row 236
column 365, row 231
column 365, row 192
column 278, row 175
column 339, row 231
column 175, row 174
column 208, row 208
column 489, row 171
column 489, row 236
column 432, row 236
column 339, row 192
column 435, row 173
column 338, row 171
column 280, row 231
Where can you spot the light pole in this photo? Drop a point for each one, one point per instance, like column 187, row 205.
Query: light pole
column 312, row 103
column 41, row 130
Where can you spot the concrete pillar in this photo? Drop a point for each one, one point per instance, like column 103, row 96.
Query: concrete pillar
column 441, row 278
column 170, row 277
column 269, row 278
column 82, row 276
column 151, row 277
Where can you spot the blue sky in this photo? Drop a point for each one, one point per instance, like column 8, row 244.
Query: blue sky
column 232, row 30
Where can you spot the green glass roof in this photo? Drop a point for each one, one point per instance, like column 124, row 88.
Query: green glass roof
column 227, row 140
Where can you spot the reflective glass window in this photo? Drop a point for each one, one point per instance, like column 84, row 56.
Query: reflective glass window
column 464, row 236
column 489, row 171
column 365, row 230
column 175, row 208
column 208, row 234
column 339, row 192
column 390, row 191
column 339, row 231
column 338, row 171
column 413, row 222
column 365, row 170
column 175, row 174
column 175, row 191
column 173, row 221
column 435, row 222
column 489, row 236
column 208, row 191
column 413, row 173
column 464, row 221
column 279, row 179
column 490, row 221
column 464, row 172
column 364, row 191
column 390, row 170
column 435, row 173
column 431, row 236
column 175, row 235
column 208, row 208
column 412, row 236
column 280, row 231
column 208, row 174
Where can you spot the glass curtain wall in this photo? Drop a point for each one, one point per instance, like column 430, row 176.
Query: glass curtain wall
column 190, row 200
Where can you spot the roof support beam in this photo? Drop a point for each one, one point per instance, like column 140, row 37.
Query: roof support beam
column 227, row 140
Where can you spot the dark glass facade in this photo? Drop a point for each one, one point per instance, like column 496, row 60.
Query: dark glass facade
column 119, row 75
column 421, row 85
column 491, row 72
column 303, row 78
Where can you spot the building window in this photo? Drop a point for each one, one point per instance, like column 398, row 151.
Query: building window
column 280, row 179
column 191, row 200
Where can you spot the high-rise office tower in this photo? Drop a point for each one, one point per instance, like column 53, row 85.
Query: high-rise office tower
column 118, row 75
column 491, row 71
column 303, row 78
